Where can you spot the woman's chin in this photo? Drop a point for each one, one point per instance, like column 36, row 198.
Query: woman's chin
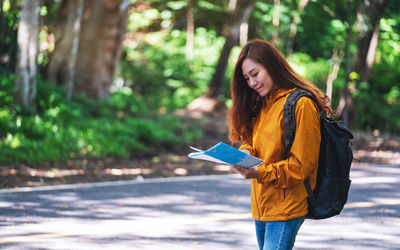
column 263, row 92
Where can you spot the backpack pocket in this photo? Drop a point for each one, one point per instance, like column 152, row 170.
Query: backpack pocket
column 330, row 198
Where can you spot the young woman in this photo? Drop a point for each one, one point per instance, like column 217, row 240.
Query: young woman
column 263, row 78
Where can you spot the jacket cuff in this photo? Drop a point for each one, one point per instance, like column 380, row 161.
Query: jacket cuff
column 261, row 172
column 265, row 174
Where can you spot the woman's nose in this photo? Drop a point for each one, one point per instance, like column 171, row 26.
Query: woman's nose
column 252, row 82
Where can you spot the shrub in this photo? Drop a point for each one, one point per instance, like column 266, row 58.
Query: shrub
column 60, row 129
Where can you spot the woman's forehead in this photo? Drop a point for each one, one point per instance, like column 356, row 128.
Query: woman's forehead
column 249, row 65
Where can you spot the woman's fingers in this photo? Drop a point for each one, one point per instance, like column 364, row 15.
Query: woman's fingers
column 247, row 172
column 237, row 168
column 243, row 171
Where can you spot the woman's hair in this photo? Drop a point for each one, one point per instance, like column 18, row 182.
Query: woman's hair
column 245, row 99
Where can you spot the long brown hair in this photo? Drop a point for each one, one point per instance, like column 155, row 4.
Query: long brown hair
column 244, row 99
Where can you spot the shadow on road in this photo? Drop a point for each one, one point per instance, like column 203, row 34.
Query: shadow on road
column 210, row 212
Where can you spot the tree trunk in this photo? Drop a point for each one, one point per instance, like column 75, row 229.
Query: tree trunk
column 240, row 14
column 190, row 29
column 102, row 30
column 244, row 33
column 65, row 36
column 368, row 19
column 28, row 47
column 336, row 61
column 3, row 55
column 368, row 26
column 293, row 26
column 1, row 28
column 345, row 98
column 275, row 22
column 74, row 52
column 218, row 79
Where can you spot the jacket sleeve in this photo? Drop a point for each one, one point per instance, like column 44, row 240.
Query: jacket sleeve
column 303, row 157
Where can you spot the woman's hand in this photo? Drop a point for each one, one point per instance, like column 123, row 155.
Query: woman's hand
column 247, row 173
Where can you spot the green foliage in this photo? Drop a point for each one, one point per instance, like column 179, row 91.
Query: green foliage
column 260, row 23
column 314, row 70
column 157, row 69
column 157, row 76
column 161, row 74
column 61, row 129
column 322, row 30
column 8, row 35
column 378, row 101
column 375, row 111
column 7, row 86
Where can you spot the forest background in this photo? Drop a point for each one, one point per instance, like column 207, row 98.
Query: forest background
column 117, row 87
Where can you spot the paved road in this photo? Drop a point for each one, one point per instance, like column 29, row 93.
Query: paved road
column 189, row 213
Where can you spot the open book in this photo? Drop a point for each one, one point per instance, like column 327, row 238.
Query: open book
column 225, row 154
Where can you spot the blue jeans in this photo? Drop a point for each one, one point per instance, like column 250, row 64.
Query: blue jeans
column 277, row 235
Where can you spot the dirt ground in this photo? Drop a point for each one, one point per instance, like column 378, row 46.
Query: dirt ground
column 160, row 161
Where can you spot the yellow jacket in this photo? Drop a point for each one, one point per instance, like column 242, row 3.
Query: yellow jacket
column 279, row 192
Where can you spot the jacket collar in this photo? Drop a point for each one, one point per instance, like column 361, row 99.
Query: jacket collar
column 275, row 94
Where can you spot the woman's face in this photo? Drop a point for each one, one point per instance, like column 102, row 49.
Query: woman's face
column 257, row 77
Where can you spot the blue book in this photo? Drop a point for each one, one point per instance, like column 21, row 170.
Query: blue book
column 225, row 154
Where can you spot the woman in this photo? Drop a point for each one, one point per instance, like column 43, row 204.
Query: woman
column 263, row 78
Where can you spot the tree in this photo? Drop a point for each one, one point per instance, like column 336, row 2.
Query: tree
column 368, row 16
column 345, row 13
column 294, row 25
column 61, row 68
column 9, row 36
column 336, row 59
column 275, row 22
column 101, row 32
column 368, row 19
column 28, row 46
column 239, row 13
column 190, row 29
column 1, row 26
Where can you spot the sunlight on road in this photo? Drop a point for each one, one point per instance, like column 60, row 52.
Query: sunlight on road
column 190, row 213
column 28, row 238
column 170, row 226
column 379, row 202
column 176, row 218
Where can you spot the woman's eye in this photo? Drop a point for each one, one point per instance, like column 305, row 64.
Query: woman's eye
column 255, row 74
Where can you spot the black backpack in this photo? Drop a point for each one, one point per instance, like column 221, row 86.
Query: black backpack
column 335, row 157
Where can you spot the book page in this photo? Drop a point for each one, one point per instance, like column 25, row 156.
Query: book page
column 196, row 149
column 223, row 153
column 205, row 157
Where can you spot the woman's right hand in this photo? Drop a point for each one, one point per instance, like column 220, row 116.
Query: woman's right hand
column 247, row 173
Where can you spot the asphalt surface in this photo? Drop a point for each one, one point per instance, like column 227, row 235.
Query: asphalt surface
column 205, row 212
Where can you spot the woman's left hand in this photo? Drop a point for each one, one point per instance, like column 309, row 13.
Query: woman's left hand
column 247, row 173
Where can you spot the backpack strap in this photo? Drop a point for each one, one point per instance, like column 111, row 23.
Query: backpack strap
column 289, row 119
column 289, row 124
column 308, row 188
